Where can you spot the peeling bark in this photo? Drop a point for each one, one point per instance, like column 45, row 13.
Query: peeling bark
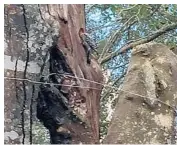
column 145, row 110
column 37, row 29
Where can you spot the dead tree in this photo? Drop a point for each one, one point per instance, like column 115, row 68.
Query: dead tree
column 42, row 44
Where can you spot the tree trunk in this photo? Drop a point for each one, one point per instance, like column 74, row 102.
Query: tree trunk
column 40, row 40
column 152, row 73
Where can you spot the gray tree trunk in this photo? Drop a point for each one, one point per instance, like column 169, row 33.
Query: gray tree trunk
column 30, row 30
column 152, row 73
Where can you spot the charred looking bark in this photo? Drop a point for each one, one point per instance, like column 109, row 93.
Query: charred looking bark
column 52, row 104
column 58, row 65
column 52, row 111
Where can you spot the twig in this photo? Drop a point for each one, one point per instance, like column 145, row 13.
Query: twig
column 123, row 65
column 90, row 8
column 114, row 37
column 147, row 39
column 127, row 9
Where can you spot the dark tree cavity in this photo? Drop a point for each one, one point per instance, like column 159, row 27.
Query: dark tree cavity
column 53, row 104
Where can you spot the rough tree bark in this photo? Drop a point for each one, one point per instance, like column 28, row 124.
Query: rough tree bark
column 30, row 49
column 152, row 73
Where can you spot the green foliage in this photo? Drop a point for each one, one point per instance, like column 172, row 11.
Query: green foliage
column 149, row 18
column 133, row 22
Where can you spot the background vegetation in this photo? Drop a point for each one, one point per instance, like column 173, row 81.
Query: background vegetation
column 116, row 26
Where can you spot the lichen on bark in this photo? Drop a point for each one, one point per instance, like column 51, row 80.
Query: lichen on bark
column 151, row 77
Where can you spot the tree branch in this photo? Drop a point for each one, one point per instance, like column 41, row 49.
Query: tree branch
column 147, row 39
column 114, row 37
column 92, row 6
column 117, row 34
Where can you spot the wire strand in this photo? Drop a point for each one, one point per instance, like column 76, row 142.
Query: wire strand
column 71, row 76
column 37, row 82
column 78, row 86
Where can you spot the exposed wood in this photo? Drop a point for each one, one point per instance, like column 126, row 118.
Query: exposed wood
column 43, row 24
